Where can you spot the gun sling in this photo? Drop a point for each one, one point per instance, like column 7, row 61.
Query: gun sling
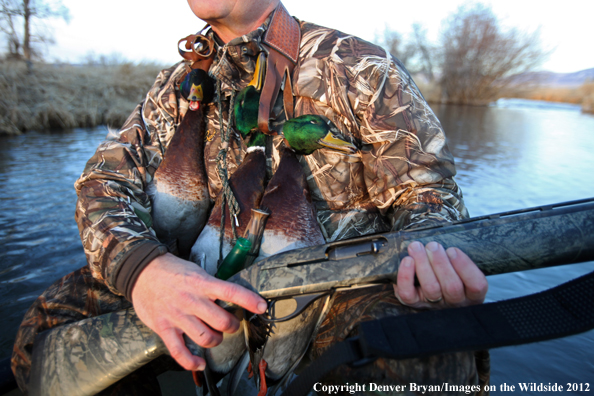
column 558, row 312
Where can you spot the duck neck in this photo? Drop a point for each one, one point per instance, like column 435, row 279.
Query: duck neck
column 185, row 153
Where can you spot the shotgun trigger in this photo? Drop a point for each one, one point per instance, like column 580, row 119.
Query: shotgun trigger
column 303, row 301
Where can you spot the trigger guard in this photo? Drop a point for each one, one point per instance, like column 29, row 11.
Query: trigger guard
column 303, row 301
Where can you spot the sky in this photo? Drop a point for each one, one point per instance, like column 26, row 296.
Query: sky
column 148, row 30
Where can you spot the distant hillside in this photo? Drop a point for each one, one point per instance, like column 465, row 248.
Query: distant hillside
column 554, row 79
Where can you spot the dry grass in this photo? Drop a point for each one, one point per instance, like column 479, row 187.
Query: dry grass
column 588, row 101
column 70, row 96
column 430, row 90
column 588, row 104
column 582, row 95
column 549, row 94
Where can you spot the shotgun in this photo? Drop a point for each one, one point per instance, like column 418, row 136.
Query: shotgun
column 85, row 357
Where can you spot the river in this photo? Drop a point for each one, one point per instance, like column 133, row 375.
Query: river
column 512, row 155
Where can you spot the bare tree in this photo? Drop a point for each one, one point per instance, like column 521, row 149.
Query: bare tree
column 9, row 28
column 416, row 52
column 425, row 51
column 478, row 54
column 20, row 21
column 396, row 46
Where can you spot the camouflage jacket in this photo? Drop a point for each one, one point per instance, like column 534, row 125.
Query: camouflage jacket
column 403, row 174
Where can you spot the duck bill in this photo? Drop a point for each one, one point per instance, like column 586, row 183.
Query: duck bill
column 331, row 141
column 196, row 94
column 258, row 79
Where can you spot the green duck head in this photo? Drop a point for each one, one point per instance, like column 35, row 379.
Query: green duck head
column 307, row 133
column 197, row 87
column 247, row 101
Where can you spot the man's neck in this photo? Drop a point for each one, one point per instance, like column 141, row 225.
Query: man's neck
column 231, row 27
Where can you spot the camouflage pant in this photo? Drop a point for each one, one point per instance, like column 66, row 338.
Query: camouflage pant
column 75, row 297
column 79, row 296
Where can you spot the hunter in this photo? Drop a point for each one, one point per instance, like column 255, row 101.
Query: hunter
column 403, row 179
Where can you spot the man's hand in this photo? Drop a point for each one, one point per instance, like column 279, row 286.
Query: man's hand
column 446, row 278
column 173, row 296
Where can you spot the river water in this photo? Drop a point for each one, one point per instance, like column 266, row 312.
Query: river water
column 513, row 155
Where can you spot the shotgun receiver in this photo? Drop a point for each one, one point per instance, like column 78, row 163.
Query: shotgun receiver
column 84, row 358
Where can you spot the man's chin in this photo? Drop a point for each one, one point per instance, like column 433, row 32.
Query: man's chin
column 211, row 10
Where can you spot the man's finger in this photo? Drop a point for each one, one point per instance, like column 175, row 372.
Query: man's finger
column 452, row 287
column 212, row 314
column 475, row 282
column 200, row 333
column 425, row 273
column 230, row 292
column 405, row 289
column 177, row 349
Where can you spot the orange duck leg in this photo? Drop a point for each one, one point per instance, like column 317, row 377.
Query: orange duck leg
column 263, row 387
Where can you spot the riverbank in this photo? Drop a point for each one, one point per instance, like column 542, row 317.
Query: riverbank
column 70, row 96
column 76, row 96
column 582, row 95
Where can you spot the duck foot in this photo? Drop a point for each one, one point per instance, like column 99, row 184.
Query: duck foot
column 198, row 377
column 263, row 387
column 250, row 370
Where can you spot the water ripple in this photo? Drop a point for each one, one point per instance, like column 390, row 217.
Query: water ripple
column 39, row 239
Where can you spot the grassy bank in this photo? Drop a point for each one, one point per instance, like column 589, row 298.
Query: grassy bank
column 68, row 96
column 582, row 95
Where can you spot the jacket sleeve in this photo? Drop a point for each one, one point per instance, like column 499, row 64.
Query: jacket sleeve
column 113, row 211
column 408, row 168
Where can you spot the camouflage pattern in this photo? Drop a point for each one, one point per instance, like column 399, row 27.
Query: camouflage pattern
column 67, row 360
column 404, row 164
column 79, row 296
column 401, row 176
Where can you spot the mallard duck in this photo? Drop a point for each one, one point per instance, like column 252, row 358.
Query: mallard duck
column 194, row 88
column 287, row 193
column 247, row 101
column 179, row 189
column 287, row 197
column 247, row 184
column 292, row 224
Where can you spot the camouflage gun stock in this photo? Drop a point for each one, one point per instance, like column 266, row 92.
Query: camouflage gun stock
column 84, row 358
